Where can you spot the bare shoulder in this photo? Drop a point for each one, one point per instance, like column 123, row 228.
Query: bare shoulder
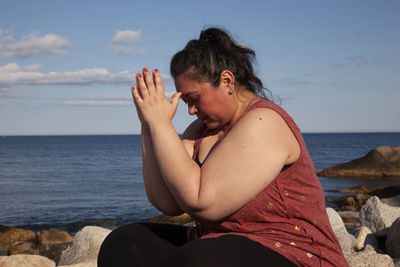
column 263, row 118
column 267, row 125
column 193, row 131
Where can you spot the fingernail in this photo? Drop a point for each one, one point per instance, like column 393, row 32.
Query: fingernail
column 156, row 70
column 145, row 69
column 133, row 88
column 139, row 75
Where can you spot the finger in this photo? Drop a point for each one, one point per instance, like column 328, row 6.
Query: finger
column 141, row 85
column 137, row 99
column 148, row 79
column 174, row 100
column 158, row 82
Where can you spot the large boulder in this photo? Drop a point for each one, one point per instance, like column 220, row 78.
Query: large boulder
column 346, row 240
column 10, row 236
column 53, row 236
column 85, row 245
column 369, row 257
column 392, row 201
column 26, row 260
column 393, row 239
column 377, row 216
column 379, row 163
column 365, row 237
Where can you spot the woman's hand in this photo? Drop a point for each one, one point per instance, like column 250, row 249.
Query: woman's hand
column 152, row 106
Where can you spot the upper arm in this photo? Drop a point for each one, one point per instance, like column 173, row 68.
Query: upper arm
column 190, row 135
column 248, row 159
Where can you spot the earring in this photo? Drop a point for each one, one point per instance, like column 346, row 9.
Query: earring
column 230, row 91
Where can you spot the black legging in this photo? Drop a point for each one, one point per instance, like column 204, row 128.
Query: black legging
column 150, row 244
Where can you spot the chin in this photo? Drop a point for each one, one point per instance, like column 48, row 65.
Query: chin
column 213, row 125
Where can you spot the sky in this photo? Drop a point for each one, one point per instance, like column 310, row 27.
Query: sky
column 66, row 67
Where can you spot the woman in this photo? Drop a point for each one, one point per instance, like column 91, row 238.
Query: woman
column 241, row 170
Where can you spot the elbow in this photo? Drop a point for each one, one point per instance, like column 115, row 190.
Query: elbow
column 169, row 209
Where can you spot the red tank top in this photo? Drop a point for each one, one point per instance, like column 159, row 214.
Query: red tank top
column 289, row 216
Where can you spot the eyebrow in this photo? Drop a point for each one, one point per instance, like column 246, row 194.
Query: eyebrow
column 189, row 93
column 184, row 96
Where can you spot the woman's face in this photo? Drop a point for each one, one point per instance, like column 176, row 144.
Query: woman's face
column 211, row 105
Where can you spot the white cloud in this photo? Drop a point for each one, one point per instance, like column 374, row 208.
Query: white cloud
column 104, row 100
column 123, row 49
column 96, row 103
column 32, row 45
column 126, row 37
column 12, row 75
column 120, row 41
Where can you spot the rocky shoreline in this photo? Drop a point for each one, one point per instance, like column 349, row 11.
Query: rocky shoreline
column 369, row 235
column 367, row 223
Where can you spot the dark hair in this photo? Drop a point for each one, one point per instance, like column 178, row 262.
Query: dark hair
column 215, row 51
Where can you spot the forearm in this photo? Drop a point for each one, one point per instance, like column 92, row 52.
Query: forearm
column 179, row 171
column 156, row 189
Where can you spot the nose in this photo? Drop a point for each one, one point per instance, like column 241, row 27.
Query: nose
column 192, row 109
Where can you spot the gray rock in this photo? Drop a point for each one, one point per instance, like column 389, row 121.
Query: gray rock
column 23, row 260
column 392, row 201
column 85, row 245
column 369, row 258
column 377, row 215
column 365, row 237
column 89, row 263
column 346, row 240
column 393, row 240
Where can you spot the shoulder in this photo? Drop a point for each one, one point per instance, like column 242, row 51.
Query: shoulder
column 267, row 128
column 262, row 118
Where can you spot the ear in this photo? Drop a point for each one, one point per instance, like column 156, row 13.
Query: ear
column 227, row 79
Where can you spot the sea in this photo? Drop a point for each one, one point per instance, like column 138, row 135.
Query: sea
column 68, row 182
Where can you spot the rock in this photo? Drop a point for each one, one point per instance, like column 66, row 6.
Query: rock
column 9, row 236
column 393, row 239
column 53, row 236
column 183, row 219
column 362, row 189
column 23, row 260
column 386, row 192
column 380, row 162
column 85, row 245
column 369, row 257
column 21, row 247
column 350, row 217
column 89, row 263
column 52, row 251
column 351, row 203
column 365, row 237
column 377, row 215
column 392, row 201
column 346, row 240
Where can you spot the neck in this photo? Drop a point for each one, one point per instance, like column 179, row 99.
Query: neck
column 243, row 101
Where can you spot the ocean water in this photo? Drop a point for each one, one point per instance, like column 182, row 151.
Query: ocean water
column 71, row 181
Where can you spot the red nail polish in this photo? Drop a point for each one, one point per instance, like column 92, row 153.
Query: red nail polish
column 139, row 75
column 145, row 69
column 156, row 70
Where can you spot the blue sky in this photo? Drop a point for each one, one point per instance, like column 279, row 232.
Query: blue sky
column 66, row 66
